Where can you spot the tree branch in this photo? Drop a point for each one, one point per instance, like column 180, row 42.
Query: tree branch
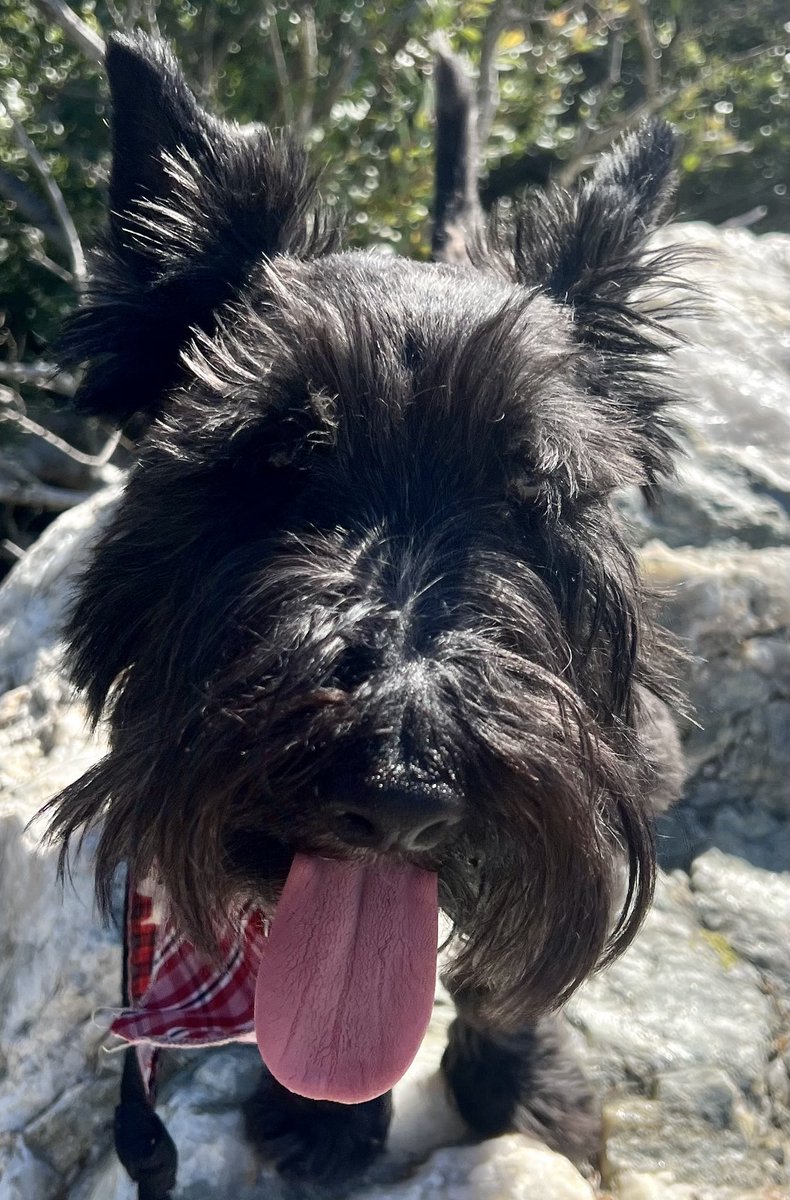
column 54, row 195
column 283, row 82
column 43, row 260
column 116, row 16
column 10, row 551
column 308, row 44
column 9, row 398
column 347, row 60
column 603, row 139
column 21, row 489
column 589, row 128
column 151, row 18
column 31, row 208
column 41, row 375
column 207, row 70
column 81, row 34
column 651, row 54
column 488, row 83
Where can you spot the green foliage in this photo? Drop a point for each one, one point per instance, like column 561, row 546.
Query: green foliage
column 355, row 77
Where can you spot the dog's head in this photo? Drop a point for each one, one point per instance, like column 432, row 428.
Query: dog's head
column 365, row 593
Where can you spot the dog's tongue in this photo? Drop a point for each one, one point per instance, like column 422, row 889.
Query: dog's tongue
column 346, row 982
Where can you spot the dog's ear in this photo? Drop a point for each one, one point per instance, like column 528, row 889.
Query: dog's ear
column 457, row 216
column 195, row 203
column 587, row 249
column 154, row 114
column 584, row 246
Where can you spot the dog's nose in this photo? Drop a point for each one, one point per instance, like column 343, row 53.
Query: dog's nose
column 405, row 820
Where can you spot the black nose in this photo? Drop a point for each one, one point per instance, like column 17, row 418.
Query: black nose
column 413, row 819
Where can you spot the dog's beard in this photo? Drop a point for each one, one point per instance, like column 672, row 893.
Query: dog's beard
column 564, row 864
column 532, row 880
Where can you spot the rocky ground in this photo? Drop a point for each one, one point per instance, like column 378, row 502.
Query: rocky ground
column 687, row 1036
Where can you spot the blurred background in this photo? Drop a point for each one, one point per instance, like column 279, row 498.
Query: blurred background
column 556, row 82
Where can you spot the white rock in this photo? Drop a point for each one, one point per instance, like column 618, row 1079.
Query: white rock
column 507, row 1168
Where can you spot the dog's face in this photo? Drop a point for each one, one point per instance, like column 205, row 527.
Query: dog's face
column 365, row 593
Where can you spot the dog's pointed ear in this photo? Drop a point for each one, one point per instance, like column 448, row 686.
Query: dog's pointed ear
column 457, row 215
column 587, row 249
column 153, row 113
column 195, row 204
column 583, row 246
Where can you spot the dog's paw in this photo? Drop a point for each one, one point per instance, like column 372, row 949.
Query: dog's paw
column 315, row 1140
column 526, row 1083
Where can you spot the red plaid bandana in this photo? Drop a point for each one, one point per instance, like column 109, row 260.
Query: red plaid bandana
column 176, row 997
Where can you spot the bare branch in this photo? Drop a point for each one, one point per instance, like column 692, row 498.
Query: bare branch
column 81, row 34
column 346, row 60
column 281, row 67
column 10, row 551
column 39, row 495
column 602, row 140
column 308, row 45
column 616, row 44
column 41, row 374
column 208, row 74
column 747, row 219
column 488, row 84
column 151, row 17
column 8, row 398
column 589, row 129
column 558, row 14
column 651, row 53
column 54, row 195
column 18, row 487
column 43, row 260
column 31, row 207
column 116, row 16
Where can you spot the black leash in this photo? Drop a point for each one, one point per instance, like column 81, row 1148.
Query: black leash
column 145, row 1148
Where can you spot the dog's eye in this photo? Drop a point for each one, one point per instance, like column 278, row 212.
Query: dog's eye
column 525, row 489
column 355, row 665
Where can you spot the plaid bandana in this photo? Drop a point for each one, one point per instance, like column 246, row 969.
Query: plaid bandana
column 176, row 997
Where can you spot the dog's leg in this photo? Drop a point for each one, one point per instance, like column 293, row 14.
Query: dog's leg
column 315, row 1139
column 527, row 1082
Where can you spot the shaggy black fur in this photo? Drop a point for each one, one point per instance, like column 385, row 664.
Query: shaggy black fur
column 367, row 568
column 311, row 1140
column 526, row 1080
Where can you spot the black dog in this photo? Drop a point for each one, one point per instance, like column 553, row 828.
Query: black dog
column 365, row 621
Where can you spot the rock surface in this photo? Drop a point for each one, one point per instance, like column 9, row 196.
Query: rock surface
column 685, row 1034
column 731, row 606
column 687, row 1037
column 732, row 377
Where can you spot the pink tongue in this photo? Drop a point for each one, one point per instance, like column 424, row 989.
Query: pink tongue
column 346, row 982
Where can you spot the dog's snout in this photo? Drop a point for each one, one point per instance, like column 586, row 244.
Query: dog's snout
column 405, row 820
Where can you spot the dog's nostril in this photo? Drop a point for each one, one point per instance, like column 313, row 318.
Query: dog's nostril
column 355, row 829
column 430, row 835
column 393, row 824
